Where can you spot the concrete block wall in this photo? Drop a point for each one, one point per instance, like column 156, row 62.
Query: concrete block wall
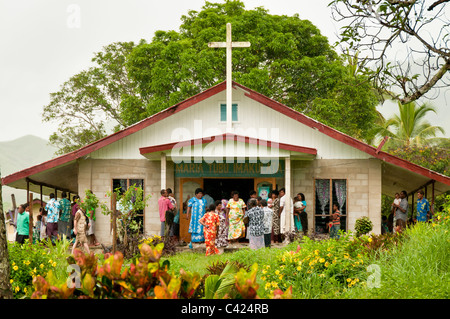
column 363, row 186
column 97, row 175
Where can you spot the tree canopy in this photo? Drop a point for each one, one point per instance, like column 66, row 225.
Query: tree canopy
column 289, row 61
column 403, row 45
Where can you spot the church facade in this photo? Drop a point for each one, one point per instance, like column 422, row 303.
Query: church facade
column 269, row 146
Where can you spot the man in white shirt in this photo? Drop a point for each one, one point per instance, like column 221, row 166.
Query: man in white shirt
column 284, row 228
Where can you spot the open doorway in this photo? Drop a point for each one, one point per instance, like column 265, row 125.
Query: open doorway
column 221, row 188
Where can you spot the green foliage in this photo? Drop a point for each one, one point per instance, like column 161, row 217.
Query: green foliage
column 431, row 157
column 289, row 60
column 317, row 268
column 128, row 204
column 89, row 202
column 28, row 261
column 363, row 226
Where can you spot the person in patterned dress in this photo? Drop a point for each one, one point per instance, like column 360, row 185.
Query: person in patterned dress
column 276, row 217
column 210, row 222
column 81, row 223
column 222, row 234
column 256, row 224
column 195, row 210
column 235, row 216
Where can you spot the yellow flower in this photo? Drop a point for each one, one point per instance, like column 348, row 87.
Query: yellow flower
column 327, row 264
column 13, row 263
column 322, row 260
column 263, row 278
column 299, row 268
column 281, row 277
column 316, row 251
column 267, row 286
column 274, row 284
column 264, row 271
column 11, row 281
column 15, row 267
column 17, row 289
column 25, row 290
column 349, row 279
column 41, row 266
column 277, row 272
column 370, row 240
column 54, row 264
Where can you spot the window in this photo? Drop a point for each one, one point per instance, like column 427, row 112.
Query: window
column 123, row 184
column 328, row 192
column 223, row 112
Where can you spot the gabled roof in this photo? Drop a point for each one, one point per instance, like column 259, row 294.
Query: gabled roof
column 279, row 107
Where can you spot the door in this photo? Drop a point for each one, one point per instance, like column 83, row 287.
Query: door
column 187, row 188
column 264, row 185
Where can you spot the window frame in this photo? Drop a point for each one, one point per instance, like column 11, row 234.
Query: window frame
column 233, row 104
column 128, row 186
column 330, row 204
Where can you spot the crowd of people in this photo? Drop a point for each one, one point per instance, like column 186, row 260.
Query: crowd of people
column 398, row 217
column 225, row 222
column 56, row 220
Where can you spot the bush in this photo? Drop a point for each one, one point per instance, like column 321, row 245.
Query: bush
column 363, row 226
column 26, row 262
column 317, row 268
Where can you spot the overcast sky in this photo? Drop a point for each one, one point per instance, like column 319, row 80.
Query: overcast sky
column 44, row 43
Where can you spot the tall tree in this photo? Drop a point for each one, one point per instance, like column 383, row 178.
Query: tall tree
column 289, row 61
column 93, row 99
column 405, row 44
column 410, row 128
column 5, row 285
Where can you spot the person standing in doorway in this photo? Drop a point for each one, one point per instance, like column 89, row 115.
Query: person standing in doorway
column 23, row 224
column 64, row 217
column 401, row 212
column 195, row 210
column 235, row 216
column 423, row 208
column 52, row 209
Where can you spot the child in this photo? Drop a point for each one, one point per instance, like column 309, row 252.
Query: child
column 43, row 226
column 396, row 202
column 335, row 223
column 255, row 216
column 210, row 221
column 37, row 229
column 222, row 234
column 268, row 212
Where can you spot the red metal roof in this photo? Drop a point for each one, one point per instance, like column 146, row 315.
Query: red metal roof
column 344, row 138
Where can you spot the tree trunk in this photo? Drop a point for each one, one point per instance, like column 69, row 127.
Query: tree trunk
column 5, row 285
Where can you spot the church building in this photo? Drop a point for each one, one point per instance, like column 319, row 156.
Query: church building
column 267, row 145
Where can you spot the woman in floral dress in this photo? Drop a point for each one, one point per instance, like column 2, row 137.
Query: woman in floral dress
column 235, row 216
column 195, row 211
column 210, row 222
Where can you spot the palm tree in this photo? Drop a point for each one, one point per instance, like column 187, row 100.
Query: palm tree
column 409, row 127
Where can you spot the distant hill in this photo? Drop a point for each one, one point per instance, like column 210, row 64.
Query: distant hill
column 19, row 154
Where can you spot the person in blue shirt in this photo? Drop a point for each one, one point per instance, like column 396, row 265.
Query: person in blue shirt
column 423, row 207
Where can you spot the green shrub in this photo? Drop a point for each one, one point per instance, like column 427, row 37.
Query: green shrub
column 363, row 226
